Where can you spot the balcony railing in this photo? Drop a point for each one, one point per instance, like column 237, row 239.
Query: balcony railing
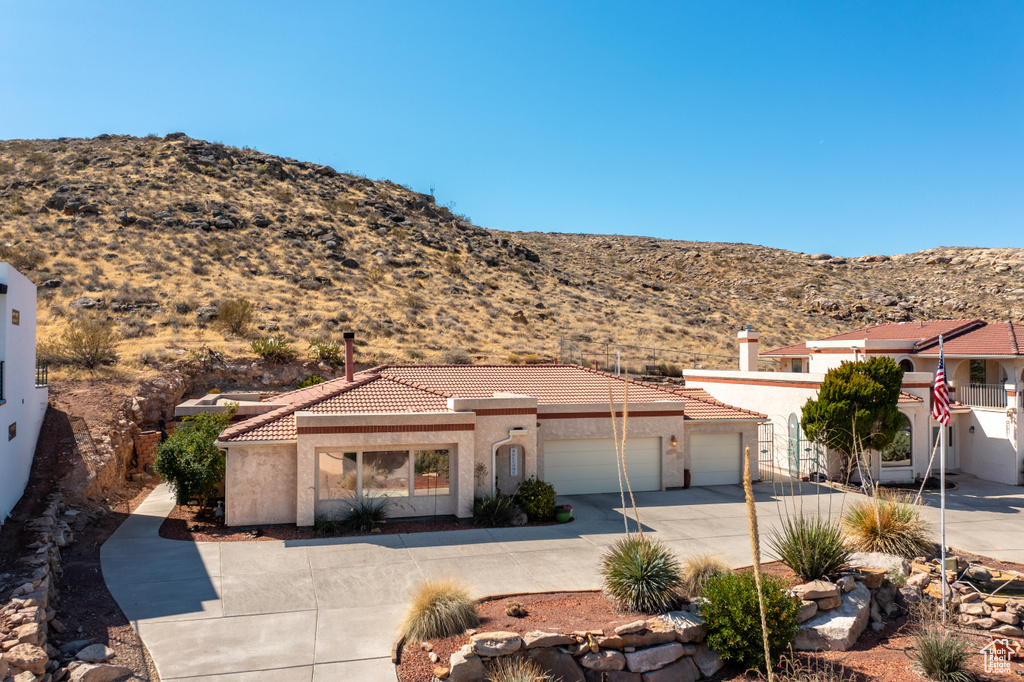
column 982, row 395
column 42, row 375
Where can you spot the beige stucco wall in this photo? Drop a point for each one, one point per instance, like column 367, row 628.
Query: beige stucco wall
column 491, row 429
column 260, row 484
column 991, row 451
column 461, row 442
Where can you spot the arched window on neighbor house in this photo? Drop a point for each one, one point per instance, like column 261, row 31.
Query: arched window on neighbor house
column 906, row 365
column 899, row 451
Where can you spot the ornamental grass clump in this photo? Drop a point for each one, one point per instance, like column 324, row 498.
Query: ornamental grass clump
column 732, row 616
column 439, row 609
column 517, row 669
column 641, row 575
column 812, row 546
column 697, row 571
column 888, row 523
column 367, row 513
column 493, row 511
column 942, row 656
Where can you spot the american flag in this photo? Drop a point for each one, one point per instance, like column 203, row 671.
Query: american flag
column 940, row 393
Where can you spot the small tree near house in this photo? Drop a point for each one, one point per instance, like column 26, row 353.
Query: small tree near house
column 856, row 409
column 190, row 462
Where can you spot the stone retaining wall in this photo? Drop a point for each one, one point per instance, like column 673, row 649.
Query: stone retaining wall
column 27, row 619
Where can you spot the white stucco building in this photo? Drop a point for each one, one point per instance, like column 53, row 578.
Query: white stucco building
column 984, row 366
column 23, row 390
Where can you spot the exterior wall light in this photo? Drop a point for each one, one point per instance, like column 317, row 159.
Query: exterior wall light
column 673, row 440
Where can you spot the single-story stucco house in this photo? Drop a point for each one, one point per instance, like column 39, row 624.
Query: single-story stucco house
column 432, row 438
column 984, row 368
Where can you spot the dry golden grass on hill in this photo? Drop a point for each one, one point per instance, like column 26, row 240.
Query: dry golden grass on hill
column 152, row 231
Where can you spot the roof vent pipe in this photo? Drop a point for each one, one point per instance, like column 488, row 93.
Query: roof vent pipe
column 349, row 340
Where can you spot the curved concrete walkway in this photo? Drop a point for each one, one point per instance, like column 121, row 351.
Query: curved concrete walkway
column 320, row 610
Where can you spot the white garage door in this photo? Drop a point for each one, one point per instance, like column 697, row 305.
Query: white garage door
column 715, row 459
column 582, row 466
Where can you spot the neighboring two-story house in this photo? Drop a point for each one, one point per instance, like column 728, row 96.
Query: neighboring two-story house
column 23, row 390
column 984, row 365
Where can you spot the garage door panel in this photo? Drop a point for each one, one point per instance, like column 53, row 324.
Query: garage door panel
column 715, row 459
column 581, row 466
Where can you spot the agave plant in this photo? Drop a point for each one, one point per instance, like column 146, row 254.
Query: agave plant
column 641, row 574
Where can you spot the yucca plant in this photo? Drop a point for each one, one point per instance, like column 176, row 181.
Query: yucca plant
column 698, row 570
column 641, row 574
column 366, row 514
column 942, row 656
column 492, row 511
column 516, row 669
column 812, row 546
column 439, row 608
column 888, row 523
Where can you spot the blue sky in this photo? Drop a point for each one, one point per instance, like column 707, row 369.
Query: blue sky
column 848, row 127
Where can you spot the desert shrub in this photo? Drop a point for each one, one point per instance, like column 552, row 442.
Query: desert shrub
column 236, row 316
column 517, row 669
column 456, row 356
column 896, row 577
column 86, row 342
column 669, row 369
column 453, row 264
column 326, row 351
column 641, row 574
column 537, row 498
column 493, row 511
column 733, row 618
column 942, row 656
column 311, row 380
column 513, row 359
column 190, row 461
column 439, row 608
column 274, row 350
column 532, row 359
column 375, row 275
column 813, row 546
column 22, row 258
column 809, row 668
column 697, row 570
column 367, row 513
column 329, row 526
column 888, row 523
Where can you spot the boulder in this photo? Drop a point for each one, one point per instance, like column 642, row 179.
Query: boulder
column 708, row 661
column 688, row 627
column 27, row 657
column 977, row 608
column 828, row 603
column 558, row 665
column 30, row 633
column 847, row 583
column 683, row 670
column 838, row 629
column 4, row 668
column 919, row 580
column 880, row 561
column 1005, row 617
column 908, row 595
column 816, row 589
column 1008, row 631
column 657, row 632
column 97, row 672
column 872, row 578
column 496, row 643
column 979, row 574
column 808, row 609
column 631, row 628
column 533, row 640
column 612, row 676
column 604, row 660
column 464, row 668
column 84, row 303
column 95, row 653
column 23, row 676
column 981, row 623
column 654, row 658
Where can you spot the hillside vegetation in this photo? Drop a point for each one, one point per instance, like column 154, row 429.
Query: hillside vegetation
column 156, row 233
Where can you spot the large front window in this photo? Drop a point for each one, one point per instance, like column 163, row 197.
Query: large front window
column 383, row 473
column 899, row 451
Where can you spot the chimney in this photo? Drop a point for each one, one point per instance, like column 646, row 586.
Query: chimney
column 349, row 339
column 748, row 349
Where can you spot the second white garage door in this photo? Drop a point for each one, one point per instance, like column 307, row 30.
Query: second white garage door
column 581, row 466
column 715, row 459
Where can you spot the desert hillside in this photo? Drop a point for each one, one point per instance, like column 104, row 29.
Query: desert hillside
column 154, row 233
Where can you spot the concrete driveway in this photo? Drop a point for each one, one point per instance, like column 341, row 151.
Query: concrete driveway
column 319, row 610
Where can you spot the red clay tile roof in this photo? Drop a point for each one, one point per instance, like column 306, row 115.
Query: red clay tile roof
column 969, row 338
column 998, row 338
column 425, row 388
column 908, row 398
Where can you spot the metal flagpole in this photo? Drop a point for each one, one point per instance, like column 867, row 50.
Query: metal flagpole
column 942, row 488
